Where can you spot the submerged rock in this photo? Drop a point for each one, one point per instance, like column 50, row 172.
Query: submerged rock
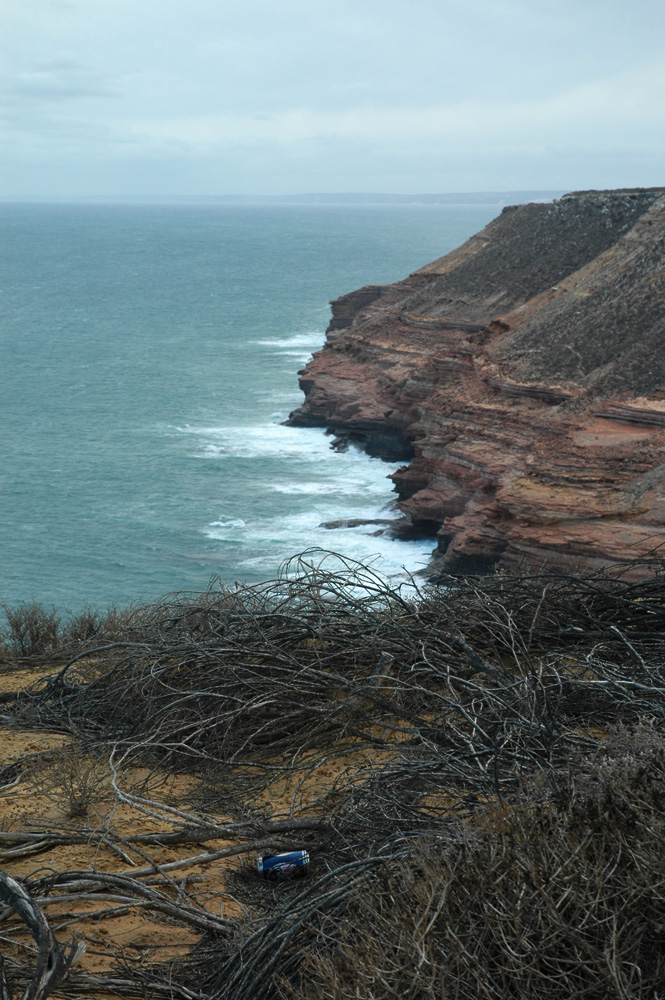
column 386, row 525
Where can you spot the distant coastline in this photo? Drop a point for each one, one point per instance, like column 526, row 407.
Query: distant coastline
column 314, row 198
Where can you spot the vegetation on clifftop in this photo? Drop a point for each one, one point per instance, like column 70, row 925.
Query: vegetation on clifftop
column 477, row 771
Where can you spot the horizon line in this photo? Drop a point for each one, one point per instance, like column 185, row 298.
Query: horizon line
column 316, row 196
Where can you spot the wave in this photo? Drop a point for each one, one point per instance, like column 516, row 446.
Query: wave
column 300, row 346
column 266, row 541
column 348, row 484
column 313, row 339
column 269, row 440
column 310, row 485
column 228, row 522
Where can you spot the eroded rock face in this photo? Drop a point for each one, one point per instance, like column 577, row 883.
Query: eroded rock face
column 522, row 377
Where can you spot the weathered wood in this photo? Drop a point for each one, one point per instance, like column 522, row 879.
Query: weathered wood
column 53, row 964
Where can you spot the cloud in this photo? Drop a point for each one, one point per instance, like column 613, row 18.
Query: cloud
column 631, row 100
column 62, row 79
column 417, row 95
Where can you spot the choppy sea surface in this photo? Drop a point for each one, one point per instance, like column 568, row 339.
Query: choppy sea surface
column 149, row 358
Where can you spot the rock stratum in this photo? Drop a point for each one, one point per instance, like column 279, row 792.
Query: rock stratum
column 522, row 379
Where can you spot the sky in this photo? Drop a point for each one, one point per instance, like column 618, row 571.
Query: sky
column 162, row 98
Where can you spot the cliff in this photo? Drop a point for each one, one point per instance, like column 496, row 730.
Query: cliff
column 522, row 377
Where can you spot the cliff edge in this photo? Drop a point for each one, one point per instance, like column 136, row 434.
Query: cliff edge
column 522, row 377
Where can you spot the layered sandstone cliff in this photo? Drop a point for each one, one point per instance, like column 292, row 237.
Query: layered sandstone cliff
column 523, row 379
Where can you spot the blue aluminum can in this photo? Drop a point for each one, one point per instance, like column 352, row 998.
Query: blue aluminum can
column 293, row 864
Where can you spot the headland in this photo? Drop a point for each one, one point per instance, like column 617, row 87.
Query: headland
column 521, row 378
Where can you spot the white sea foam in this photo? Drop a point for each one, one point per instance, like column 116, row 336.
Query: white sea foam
column 300, row 346
column 346, row 485
column 228, row 522
column 277, row 538
column 271, row 440
column 313, row 339
column 312, row 485
column 394, row 560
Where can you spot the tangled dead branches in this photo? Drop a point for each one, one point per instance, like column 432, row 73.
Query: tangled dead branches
column 477, row 771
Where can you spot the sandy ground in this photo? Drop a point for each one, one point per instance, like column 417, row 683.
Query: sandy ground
column 48, row 784
column 41, row 801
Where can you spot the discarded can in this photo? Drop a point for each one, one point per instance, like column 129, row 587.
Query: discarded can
column 293, row 864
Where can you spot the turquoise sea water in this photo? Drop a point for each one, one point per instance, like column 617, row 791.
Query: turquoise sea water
column 149, row 355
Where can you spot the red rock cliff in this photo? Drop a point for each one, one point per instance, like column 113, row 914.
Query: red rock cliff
column 523, row 378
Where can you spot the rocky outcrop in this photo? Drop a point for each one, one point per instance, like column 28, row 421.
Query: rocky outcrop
column 522, row 377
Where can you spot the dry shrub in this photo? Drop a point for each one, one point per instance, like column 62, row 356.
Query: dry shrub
column 31, row 630
column 70, row 779
column 84, row 625
column 560, row 893
column 90, row 626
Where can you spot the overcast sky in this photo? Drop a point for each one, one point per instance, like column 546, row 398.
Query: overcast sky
column 205, row 97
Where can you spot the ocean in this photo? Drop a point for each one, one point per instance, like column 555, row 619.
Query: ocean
column 149, row 358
